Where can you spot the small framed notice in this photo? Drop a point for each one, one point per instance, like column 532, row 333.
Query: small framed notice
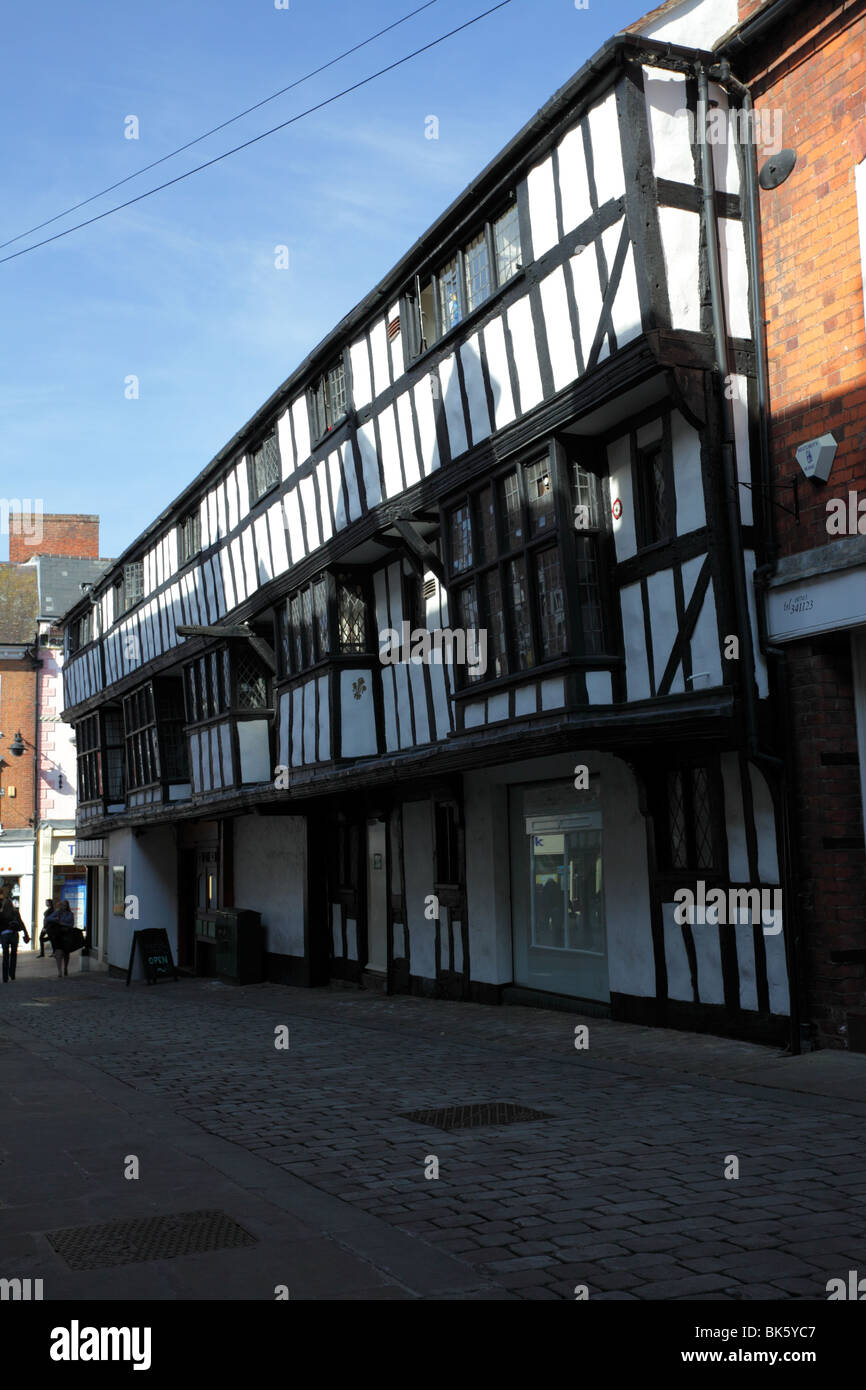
column 118, row 889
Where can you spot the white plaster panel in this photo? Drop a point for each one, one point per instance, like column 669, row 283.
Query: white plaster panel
column 252, row 576
column 665, row 94
column 474, row 715
column 423, row 397
column 453, row 403
column 676, row 960
column 497, row 708
column 599, row 688
column 557, row 322
column 708, row 951
column 542, row 207
column 680, row 234
column 285, row 728
column 297, row 727
column 765, row 827
column 253, row 746
column 552, row 694
column 706, row 655
column 634, row 640
column 663, row 618
column 293, row 517
column 404, row 708
column 573, row 182
column 370, row 464
column 263, row 548
column 232, row 498
column 358, row 721
column 419, row 704
column 324, row 720
column 619, row 465
column 746, row 971
column 606, row 150
column 362, row 387
column 338, row 493
column 497, row 367
column 222, row 510
column 777, row 972
column 301, row 422
column 520, row 324
column 473, row 378
column 379, row 345
column 324, row 500
column 688, row 478
column 735, row 824
column 307, row 490
column 625, row 314
column 587, row 293
column 277, row 529
column 525, row 700
column 735, row 276
column 694, row 24
column 390, row 452
column 310, row 722
column 740, row 409
column 351, row 476
column 243, row 485
column 238, row 562
column 411, row 461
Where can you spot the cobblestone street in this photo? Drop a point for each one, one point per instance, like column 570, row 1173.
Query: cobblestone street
column 621, row 1188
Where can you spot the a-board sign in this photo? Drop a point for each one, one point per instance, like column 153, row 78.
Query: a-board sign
column 155, row 951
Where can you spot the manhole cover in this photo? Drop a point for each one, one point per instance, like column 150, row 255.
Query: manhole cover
column 494, row 1112
column 155, row 1238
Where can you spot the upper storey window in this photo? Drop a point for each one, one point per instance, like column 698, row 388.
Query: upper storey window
column 329, row 400
column 189, row 536
column 327, row 618
column 465, row 281
column 264, row 466
column 656, row 506
column 133, row 583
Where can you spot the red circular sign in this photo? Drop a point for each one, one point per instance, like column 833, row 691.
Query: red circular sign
column 616, row 509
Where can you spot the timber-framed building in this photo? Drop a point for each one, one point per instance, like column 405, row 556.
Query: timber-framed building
column 540, row 426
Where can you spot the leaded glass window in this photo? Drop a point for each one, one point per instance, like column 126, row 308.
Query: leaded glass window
column 506, row 241
column 352, row 618
column 478, row 276
column 265, row 466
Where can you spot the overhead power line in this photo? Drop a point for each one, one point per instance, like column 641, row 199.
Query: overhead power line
column 232, row 119
column 328, row 101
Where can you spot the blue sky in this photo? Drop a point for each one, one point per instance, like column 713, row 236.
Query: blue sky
column 181, row 290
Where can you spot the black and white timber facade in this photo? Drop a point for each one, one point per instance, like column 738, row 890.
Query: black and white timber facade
column 524, row 431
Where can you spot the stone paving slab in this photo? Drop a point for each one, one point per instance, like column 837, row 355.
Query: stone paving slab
column 621, row 1189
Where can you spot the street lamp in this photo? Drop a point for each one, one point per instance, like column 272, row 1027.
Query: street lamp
column 16, row 747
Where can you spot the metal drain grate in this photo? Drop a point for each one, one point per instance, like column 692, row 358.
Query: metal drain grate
column 493, row 1112
column 155, row 1238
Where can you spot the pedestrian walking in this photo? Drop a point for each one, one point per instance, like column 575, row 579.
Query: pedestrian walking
column 43, row 935
column 57, row 927
column 10, row 925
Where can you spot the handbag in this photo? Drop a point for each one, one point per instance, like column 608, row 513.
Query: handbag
column 73, row 939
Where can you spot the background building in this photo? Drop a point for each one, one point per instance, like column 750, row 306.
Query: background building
column 51, row 558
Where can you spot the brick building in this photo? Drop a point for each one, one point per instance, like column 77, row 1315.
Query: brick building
column 805, row 64
column 51, row 558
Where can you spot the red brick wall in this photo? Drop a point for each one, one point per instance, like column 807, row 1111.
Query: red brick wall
column 17, row 693
column 815, row 73
column 813, row 69
column 33, row 534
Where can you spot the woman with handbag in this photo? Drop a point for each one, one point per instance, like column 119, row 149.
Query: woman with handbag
column 59, row 927
column 10, row 925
